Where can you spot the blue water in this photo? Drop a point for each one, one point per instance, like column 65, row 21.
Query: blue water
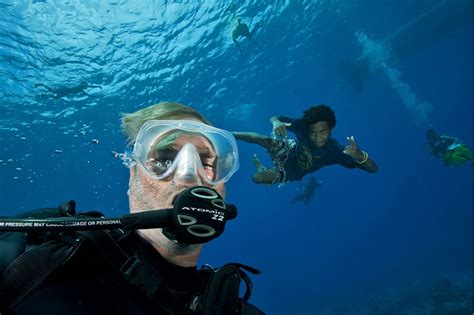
column 362, row 237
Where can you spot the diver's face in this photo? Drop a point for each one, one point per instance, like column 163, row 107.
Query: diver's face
column 319, row 133
column 147, row 193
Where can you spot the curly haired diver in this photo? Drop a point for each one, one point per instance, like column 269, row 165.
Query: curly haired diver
column 312, row 149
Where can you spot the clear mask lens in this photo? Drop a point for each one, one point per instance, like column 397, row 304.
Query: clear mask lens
column 183, row 148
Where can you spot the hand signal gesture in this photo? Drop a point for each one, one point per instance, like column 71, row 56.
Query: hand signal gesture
column 352, row 149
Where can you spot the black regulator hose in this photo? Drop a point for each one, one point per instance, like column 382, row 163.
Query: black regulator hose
column 199, row 214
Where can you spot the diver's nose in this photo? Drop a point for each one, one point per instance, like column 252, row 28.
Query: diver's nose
column 188, row 165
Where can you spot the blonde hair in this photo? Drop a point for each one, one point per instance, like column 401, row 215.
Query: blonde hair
column 132, row 122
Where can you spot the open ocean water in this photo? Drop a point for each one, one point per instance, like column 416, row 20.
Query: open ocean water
column 397, row 242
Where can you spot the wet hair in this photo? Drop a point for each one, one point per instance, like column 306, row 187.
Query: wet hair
column 319, row 113
column 132, row 122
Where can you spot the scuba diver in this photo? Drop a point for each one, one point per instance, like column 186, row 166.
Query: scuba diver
column 451, row 150
column 242, row 30
column 57, row 261
column 312, row 149
column 65, row 91
column 307, row 190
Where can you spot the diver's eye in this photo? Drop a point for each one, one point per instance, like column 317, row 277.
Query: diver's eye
column 162, row 163
column 207, row 165
column 160, row 166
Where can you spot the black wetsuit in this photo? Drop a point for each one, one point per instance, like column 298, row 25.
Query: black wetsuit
column 87, row 285
column 331, row 154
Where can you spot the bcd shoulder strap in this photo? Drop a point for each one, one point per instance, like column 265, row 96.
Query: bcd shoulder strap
column 13, row 244
column 31, row 268
column 28, row 268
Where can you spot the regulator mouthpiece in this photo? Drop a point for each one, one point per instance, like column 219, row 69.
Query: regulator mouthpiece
column 200, row 215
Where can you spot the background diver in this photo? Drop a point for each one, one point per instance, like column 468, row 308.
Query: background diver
column 64, row 91
column 306, row 190
column 242, row 30
column 312, row 149
column 449, row 149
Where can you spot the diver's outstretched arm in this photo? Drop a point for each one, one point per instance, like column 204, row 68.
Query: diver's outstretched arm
column 253, row 137
column 449, row 140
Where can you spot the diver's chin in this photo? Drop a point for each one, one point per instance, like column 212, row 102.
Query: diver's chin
column 158, row 238
column 175, row 247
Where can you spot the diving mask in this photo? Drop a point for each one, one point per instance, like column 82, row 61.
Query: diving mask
column 186, row 150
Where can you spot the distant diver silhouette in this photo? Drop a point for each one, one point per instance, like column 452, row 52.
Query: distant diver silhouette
column 242, row 30
column 65, row 91
column 307, row 190
column 449, row 149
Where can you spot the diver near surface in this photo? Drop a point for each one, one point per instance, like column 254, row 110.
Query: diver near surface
column 242, row 30
column 65, row 91
column 449, row 149
column 175, row 158
column 313, row 148
column 307, row 190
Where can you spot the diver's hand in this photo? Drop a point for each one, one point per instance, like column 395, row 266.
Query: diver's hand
column 353, row 150
column 279, row 128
